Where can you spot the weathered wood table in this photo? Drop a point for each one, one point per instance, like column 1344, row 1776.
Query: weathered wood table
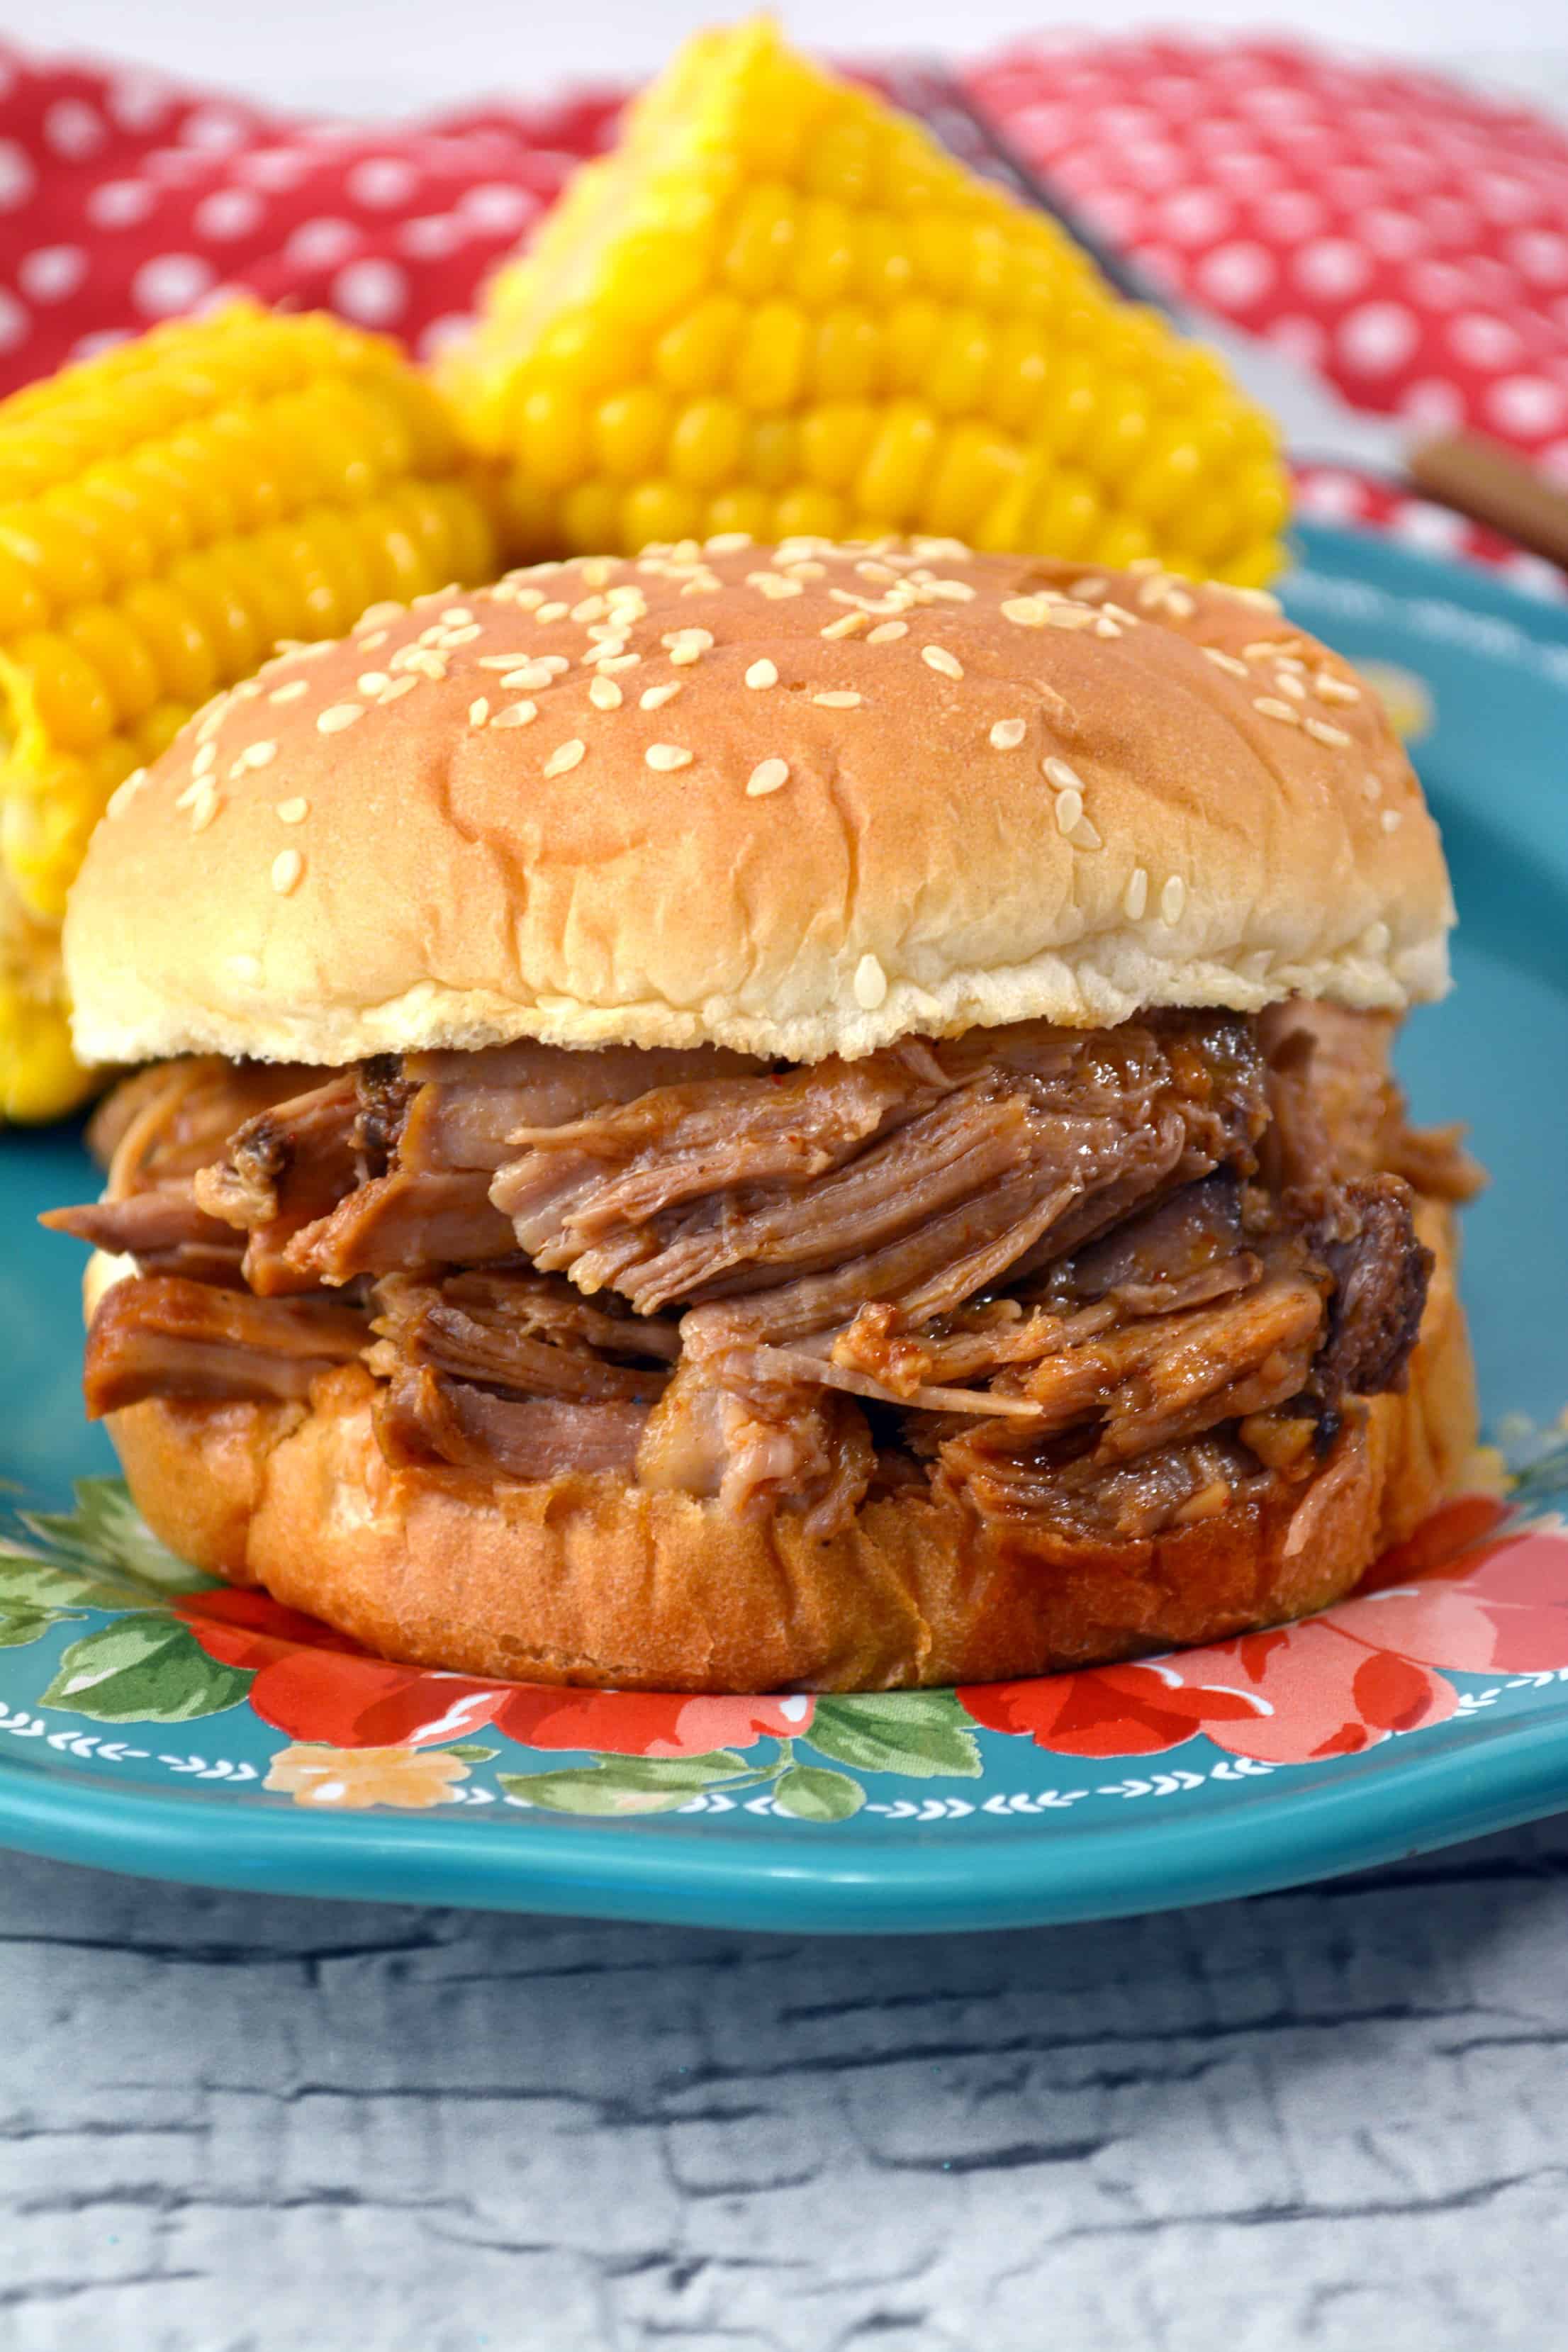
column 1332, row 2119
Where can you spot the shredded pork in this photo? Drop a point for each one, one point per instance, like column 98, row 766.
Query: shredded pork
column 1111, row 1279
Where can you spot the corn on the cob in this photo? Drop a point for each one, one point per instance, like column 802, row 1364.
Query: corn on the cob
column 780, row 308
column 167, row 511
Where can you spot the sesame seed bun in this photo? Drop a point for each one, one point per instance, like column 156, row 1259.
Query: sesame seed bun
column 799, row 801
column 580, row 1580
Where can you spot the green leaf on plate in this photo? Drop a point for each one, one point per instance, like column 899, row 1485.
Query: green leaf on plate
column 467, row 1751
column 104, row 1531
column 627, row 1784
column 19, row 1624
column 143, row 1668
column 914, row 1732
column 30, row 1581
column 814, row 1795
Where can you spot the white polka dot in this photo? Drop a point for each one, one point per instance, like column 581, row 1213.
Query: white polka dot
column 1482, row 342
column 1391, row 235
column 1194, row 216
column 1119, row 214
column 1245, row 171
column 171, row 283
column 448, row 329
column 1438, row 285
column 73, row 129
column 1377, row 338
column 1332, row 498
column 1332, row 267
column 1502, row 200
column 15, row 324
column 1039, row 129
column 139, row 102
column 381, row 182
column 372, row 292
column 212, row 130
column 1454, row 222
column 1305, row 339
column 1536, row 575
column 320, row 244
column 494, row 206
column 228, row 212
column 1153, row 164
column 1527, row 405
column 16, row 175
column 51, row 272
column 1354, row 185
column 1438, row 406
column 1236, row 275
column 1290, row 213
column 119, row 203
column 274, row 168
column 432, row 236
column 102, row 339
column 1424, row 525
column 1539, row 254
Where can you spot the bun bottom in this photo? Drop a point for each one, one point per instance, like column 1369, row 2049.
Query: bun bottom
column 582, row 1580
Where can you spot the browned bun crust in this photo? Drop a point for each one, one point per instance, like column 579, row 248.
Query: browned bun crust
column 588, row 1581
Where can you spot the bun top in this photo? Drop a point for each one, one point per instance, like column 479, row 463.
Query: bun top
column 797, row 800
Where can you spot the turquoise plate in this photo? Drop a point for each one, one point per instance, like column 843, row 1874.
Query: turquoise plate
column 150, row 1721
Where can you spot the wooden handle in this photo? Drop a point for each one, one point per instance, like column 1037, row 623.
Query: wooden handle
column 1492, row 486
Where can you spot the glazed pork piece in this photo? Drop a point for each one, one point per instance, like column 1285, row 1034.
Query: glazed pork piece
column 1106, row 1278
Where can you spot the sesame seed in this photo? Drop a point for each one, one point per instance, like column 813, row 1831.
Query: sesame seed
column 886, row 631
column 1069, row 811
column 337, row 716
column 665, row 757
column 870, row 984
column 1291, row 661
column 1104, row 628
column 290, row 690
column 1223, row 661
column 1392, row 819
column 1136, row 895
column 293, row 811
column 516, row 714
column 1172, row 898
column 399, row 686
column 1008, row 734
column 375, row 614
column 1066, row 778
column 1087, row 590
column 479, row 712
column 773, row 585
column 216, row 714
column 528, row 600
column 591, row 609
column 938, row 657
column 654, row 698
column 767, row 777
column 687, row 645
column 1375, row 939
column 554, row 611
column 1120, row 612
column 205, row 807
column 878, row 572
column 372, row 681
column 838, row 699
column 1291, row 686
column 287, row 869
column 1272, row 708
column 1259, row 598
column 614, row 662
column 531, row 676
column 596, row 570
column 463, row 637
column 1325, row 733
column 845, row 624
column 502, row 661
column 205, row 758
column 951, row 591
column 604, row 694
column 1371, row 786
column 1336, row 689
column 458, row 617
column 1263, row 649
column 124, row 793
column 762, row 673
column 728, row 542
column 566, row 757
column 1024, row 611
column 258, row 755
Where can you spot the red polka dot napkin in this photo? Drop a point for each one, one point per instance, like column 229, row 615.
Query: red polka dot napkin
column 1404, row 236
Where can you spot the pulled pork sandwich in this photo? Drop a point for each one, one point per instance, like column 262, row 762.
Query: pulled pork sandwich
column 809, row 1115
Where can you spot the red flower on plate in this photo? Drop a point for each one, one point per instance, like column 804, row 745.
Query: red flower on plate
column 1458, row 1595
column 320, row 1686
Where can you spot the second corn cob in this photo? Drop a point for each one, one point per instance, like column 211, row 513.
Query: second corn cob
column 780, row 308
column 168, row 511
